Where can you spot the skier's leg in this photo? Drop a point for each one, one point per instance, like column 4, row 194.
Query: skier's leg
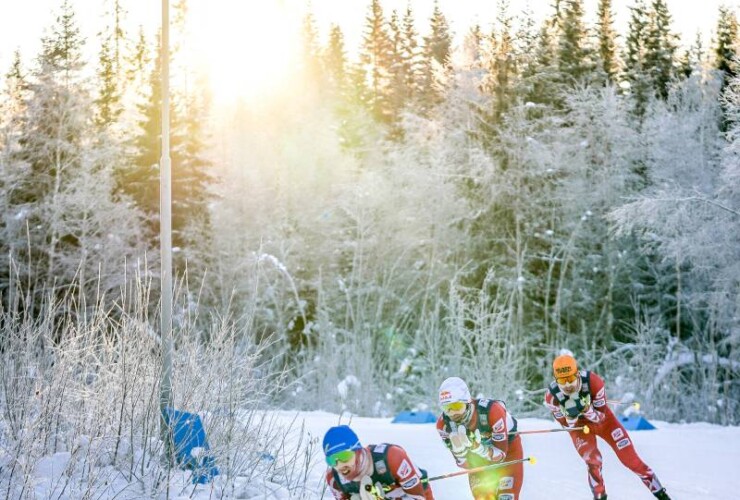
column 511, row 477
column 614, row 433
column 586, row 447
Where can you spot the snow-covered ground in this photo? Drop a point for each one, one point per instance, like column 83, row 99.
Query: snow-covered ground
column 692, row 460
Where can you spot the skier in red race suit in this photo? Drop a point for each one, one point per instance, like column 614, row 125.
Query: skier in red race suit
column 476, row 431
column 578, row 398
column 371, row 472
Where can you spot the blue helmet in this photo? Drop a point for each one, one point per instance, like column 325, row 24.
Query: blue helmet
column 340, row 438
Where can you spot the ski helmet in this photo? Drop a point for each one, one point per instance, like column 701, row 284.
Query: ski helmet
column 340, row 438
column 453, row 389
column 564, row 366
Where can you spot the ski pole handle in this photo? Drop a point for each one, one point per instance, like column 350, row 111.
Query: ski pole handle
column 583, row 428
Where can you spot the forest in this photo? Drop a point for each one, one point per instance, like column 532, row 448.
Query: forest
column 427, row 204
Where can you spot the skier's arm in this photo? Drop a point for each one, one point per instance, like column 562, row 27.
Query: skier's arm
column 444, row 435
column 555, row 409
column 406, row 474
column 498, row 445
column 594, row 412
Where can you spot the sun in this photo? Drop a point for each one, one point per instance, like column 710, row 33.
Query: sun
column 248, row 48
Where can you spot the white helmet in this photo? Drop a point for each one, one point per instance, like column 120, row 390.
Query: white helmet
column 453, row 389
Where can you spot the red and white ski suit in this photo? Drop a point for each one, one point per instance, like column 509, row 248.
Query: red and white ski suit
column 503, row 483
column 601, row 422
column 407, row 477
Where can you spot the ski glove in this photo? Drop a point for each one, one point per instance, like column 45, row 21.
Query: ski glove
column 460, row 441
column 593, row 416
column 571, row 421
column 367, row 489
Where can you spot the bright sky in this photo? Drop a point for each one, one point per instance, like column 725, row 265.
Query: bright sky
column 249, row 45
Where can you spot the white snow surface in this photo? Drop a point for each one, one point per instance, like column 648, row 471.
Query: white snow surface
column 692, row 460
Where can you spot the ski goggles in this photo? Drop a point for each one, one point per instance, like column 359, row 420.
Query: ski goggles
column 566, row 380
column 454, row 406
column 340, row 456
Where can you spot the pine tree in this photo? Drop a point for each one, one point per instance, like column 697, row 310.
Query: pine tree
column 109, row 101
column 335, row 60
column 726, row 45
column 437, row 48
column 660, row 45
column 12, row 229
column 79, row 233
column 573, row 53
column 140, row 179
column 607, row 41
column 376, row 60
column 637, row 72
column 311, row 54
column 413, row 61
column 501, row 71
column 438, row 44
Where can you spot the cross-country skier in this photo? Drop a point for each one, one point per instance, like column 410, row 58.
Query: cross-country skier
column 371, row 472
column 578, row 398
column 477, row 432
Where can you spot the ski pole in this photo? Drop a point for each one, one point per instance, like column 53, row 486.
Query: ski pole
column 531, row 460
column 584, row 428
column 464, row 472
column 474, row 470
column 615, row 402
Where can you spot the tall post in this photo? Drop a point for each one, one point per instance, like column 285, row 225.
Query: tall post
column 165, row 228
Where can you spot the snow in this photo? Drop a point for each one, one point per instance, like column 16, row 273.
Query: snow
column 695, row 460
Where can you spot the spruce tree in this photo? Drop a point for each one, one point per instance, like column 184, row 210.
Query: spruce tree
column 335, row 60
column 437, row 47
column 311, row 54
column 413, row 60
column 573, row 53
column 376, row 60
column 79, row 234
column 637, row 71
column 726, row 44
column 607, row 41
column 438, row 43
column 12, row 229
column 660, row 44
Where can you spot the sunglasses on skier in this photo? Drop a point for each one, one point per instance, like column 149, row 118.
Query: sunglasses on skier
column 340, row 456
column 566, row 380
column 454, row 406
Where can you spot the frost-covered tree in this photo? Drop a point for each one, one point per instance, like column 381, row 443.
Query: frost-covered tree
column 726, row 43
column 12, row 172
column 686, row 222
column 78, row 234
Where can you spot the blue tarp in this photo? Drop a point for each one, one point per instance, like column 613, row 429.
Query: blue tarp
column 636, row 423
column 414, row 417
column 188, row 434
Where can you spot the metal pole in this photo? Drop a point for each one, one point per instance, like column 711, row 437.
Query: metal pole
column 165, row 228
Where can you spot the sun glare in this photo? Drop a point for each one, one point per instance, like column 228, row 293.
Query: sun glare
column 248, row 48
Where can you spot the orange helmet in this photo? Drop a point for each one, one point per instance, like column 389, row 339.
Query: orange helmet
column 564, row 366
